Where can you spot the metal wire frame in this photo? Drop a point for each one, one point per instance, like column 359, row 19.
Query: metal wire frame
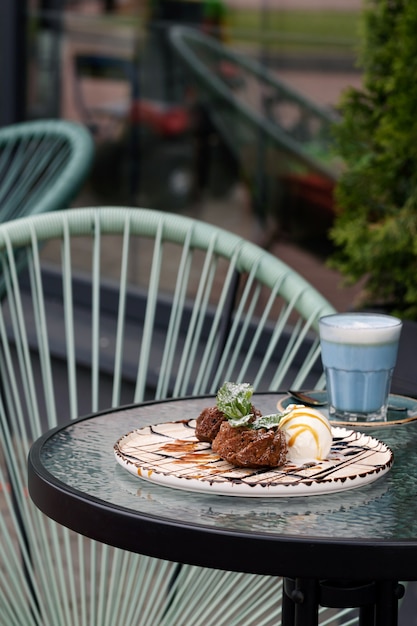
column 59, row 359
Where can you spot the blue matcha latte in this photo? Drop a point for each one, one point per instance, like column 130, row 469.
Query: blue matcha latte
column 359, row 351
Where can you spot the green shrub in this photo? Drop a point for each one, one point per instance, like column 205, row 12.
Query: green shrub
column 375, row 230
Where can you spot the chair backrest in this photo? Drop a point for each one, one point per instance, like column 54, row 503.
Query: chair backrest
column 43, row 165
column 117, row 305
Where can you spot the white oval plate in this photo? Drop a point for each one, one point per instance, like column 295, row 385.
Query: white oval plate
column 169, row 454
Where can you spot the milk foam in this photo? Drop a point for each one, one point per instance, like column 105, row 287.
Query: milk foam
column 360, row 328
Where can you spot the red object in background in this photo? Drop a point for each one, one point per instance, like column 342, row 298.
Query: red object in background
column 165, row 120
column 307, row 208
column 313, row 190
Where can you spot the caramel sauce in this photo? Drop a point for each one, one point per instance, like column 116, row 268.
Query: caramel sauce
column 190, row 451
column 141, row 472
column 180, row 445
column 307, row 413
column 196, row 457
column 302, row 429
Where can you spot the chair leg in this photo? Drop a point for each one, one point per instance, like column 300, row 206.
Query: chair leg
column 288, row 606
column 377, row 601
column 386, row 607
column 303, row 594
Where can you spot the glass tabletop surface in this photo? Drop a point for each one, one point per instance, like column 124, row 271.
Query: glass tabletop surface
column 81, row 457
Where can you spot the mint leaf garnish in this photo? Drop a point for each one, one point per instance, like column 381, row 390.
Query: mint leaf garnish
column 234, row 399
column 235, row 422
column 267, row 421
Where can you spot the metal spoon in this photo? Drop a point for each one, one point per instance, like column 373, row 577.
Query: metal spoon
column 306, row 398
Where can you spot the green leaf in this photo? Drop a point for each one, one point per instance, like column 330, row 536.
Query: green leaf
column 264, row 421
column 268, row 421
column 375, row 229
column 234, row 399
column 236, row 422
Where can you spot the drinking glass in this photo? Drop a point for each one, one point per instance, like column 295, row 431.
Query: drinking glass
column 359, row 352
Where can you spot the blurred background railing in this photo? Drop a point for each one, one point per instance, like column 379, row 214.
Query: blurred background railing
column 111, row 65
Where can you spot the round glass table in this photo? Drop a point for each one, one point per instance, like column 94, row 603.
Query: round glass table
column 361, row 541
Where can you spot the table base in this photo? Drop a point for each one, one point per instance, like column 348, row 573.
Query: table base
column 377, row 601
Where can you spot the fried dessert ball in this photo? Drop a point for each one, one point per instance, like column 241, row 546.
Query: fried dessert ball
column 208, row 423
column 250, row 448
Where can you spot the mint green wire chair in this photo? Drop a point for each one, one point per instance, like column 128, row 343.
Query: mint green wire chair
column 119, row 305
column 43, row 165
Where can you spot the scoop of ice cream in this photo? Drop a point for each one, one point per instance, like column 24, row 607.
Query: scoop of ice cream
column 308, row 433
